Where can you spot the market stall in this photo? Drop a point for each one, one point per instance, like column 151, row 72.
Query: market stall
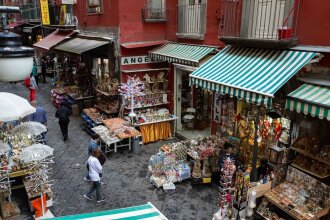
column 300, row 196
column 24, row 160
column 142, row 102
column 116, row 133
column 194, row 159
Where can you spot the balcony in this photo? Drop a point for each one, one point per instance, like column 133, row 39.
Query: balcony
column 191, row 21
column 259, row 23
column 154, row 15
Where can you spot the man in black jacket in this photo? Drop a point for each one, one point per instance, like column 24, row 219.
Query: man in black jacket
column 226, row 154
column 63, row 113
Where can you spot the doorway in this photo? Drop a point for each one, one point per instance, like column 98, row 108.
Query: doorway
column 192, row 107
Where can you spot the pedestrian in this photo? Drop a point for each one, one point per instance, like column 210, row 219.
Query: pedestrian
column 32, row 87
column 95, row 174
column 93, row 144
column 43, row 68
column 226, row 154
column 35, row 72
column 63, row 113
column 39, row 116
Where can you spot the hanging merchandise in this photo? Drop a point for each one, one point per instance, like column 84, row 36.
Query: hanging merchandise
column 226, row 190
column 133, row 88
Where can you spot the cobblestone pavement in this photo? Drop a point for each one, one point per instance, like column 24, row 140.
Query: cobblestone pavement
column 124, row 174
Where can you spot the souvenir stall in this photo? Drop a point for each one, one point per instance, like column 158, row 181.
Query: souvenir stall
column 91, row 118
column 237, row 119
column 144, row 107
column 25, row 164
column 23, row 160
column 184, row 160
column 299, row 197
column 74, row 82
column 116, row 133
column 310, row 142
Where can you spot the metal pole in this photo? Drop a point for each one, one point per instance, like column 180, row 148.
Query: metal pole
column 253, row 175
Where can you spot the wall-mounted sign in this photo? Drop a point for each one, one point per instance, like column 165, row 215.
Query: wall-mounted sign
column 44, row 12
column 136, row 60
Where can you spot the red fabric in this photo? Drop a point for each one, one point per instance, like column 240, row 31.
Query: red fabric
column 36, row 204
column 27, row 82
column 32, row 94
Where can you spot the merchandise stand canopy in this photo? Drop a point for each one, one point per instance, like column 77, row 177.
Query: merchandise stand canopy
column 251, row 74
column 311, row 100
column 181, row 53
column 54, row 39
column 80, row 45
column 147, row 211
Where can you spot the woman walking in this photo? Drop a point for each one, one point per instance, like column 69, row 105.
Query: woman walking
column 95, row 174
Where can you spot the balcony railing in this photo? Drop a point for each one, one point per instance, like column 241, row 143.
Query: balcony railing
column 251, row 22
column 150, row 14
column 191, row 21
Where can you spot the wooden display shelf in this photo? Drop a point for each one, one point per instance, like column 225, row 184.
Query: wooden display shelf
column 147, row 106
column 105, row 93
column 19, row 173
column 316, row 216
column 308, row 171
column 310, row 155
column 154, row 122
column 104, row 110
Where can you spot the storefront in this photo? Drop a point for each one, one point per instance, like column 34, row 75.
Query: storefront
column 154, row 102
column 192, row 106
column 82, row 66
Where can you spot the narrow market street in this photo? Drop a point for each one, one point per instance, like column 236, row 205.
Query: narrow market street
column 124, row 174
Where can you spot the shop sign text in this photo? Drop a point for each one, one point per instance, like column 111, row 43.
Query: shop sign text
column 136, row 60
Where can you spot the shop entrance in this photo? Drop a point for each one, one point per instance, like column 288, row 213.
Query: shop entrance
column 192, row 107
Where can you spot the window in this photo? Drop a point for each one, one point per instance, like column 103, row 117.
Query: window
column 156, row 9
column 94, row 6
column 191, row 19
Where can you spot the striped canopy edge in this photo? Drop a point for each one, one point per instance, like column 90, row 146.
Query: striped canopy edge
column 311, row 100
column 147, row 212
column 249, row 74
column 186, row 54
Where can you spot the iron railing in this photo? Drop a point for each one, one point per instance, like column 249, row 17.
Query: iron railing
column 191, row 21
column 150, row 14
column 259, row 19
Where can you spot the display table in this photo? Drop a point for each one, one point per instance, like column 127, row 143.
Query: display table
column 114, row 134
column 301, row 196
column 157, row 130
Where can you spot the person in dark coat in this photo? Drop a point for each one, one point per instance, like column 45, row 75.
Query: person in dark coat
column 227, row 153
column 63, row 113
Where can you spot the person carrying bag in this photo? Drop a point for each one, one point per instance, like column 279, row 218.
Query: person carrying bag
column 95, row 174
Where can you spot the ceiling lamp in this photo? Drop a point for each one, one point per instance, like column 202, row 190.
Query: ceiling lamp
column 16, row 61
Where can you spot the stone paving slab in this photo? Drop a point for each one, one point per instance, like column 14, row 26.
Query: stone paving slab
column 124, row 173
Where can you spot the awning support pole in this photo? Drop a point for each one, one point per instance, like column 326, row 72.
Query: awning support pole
column 253, row 175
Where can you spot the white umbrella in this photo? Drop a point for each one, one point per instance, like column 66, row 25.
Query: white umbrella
column 13, row 107
column 36, row 152
column 30, row 128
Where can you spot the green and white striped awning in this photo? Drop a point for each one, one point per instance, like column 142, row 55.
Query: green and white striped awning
column 251, row 74
column 181, row 53
column 311, row 100
column 147, row 212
